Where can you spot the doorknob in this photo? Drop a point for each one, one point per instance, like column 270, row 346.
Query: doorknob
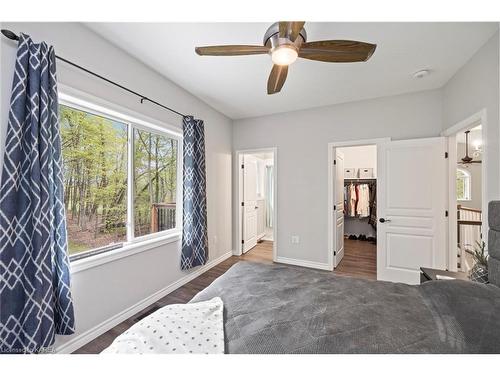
column 382, row 220
column 256, row 207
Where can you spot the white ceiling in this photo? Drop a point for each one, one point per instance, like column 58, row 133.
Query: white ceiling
column 236, row 86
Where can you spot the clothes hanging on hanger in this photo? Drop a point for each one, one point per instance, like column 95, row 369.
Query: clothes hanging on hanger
column 360, row 199
column 363, row 204
column 352, row 200
column 372, row 220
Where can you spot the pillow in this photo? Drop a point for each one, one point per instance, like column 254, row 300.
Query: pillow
column 174, row 329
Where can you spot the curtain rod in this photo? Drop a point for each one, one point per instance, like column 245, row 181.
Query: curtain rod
column 11, row 35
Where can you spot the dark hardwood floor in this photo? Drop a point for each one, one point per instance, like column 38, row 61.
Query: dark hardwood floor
column 359, row 261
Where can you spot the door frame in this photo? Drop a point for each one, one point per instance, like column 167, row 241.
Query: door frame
column 450, row 133
column 238, row 212
column 331, row 149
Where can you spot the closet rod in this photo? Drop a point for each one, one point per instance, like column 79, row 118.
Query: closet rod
column 11, row 35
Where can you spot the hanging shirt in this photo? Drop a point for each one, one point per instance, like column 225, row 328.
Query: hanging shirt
column 363, row 206
column 352, row 200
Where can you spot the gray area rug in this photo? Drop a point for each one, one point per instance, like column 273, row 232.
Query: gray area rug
column 287, row 309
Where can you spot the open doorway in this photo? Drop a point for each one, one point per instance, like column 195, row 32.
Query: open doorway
column 467, row 192
column 257, row 204
column 409, row 203
column 355, row 207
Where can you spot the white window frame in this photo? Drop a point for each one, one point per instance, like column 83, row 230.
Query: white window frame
column 467, row 185
column 93, row 105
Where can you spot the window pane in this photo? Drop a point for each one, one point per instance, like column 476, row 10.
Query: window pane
column 463, row 185
column 95, row 179
column 155, row 182
column 460, row 188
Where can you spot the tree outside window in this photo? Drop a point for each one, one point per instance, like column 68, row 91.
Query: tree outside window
column 96, row 188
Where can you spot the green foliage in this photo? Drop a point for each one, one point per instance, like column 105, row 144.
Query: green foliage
column 155, row 166
column 95, row 177
column 479, row 255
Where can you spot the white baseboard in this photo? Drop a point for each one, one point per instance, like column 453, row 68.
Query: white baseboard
column 89, row 335
column 304, row 263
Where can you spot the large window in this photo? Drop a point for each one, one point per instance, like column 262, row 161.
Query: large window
column 103, row 209
column 155, row 182
column 463, row 185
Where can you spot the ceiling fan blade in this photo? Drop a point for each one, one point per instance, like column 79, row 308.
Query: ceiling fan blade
column 338, row 51
column 283, row 29
column 290, row 30
column 231, row 50
column 470, row 162
column 295, row 29
column 277, row 79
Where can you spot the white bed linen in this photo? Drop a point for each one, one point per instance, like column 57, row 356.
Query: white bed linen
column 175, row 329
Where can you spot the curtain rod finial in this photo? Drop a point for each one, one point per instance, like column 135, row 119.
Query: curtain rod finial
column 9, row 34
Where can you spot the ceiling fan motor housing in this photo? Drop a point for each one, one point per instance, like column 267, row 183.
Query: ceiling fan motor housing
column 272, row 39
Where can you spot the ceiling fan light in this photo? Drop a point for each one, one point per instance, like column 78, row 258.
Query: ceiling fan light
column 284, row 55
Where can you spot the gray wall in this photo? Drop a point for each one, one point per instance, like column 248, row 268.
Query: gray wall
column 474, row 87
column 108, row 289
column 302, row 137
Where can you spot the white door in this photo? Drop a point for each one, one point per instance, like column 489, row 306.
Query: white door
column 249, row 202
column 411, row 207
column 338, row 206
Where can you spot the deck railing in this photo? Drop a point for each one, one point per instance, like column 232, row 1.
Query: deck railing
column 469, row 224
column 162, row 216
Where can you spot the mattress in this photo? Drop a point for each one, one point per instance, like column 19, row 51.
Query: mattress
column 287, row 309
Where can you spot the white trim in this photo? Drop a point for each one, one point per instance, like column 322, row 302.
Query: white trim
column 110, row 109
column 476, row 118
column 127, row 250
column 479, row 117
column 303, row 263
column 238, row 156
column 92, row 333
column 360, row 142
column 331, row 149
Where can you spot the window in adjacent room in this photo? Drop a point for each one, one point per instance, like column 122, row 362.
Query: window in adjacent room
column 463, row 185
column 98, row 197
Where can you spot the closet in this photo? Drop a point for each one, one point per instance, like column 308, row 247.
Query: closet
column 356, row 208
column 360, row 208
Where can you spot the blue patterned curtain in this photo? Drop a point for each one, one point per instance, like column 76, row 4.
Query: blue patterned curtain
column 194, row 229
column 35, row 296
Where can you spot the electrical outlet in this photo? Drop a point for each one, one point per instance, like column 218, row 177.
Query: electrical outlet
column 295, row 239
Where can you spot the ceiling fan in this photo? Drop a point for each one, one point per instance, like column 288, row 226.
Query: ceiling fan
column 285, row 41
column 467, row 159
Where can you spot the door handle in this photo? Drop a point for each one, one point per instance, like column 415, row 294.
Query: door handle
column 256, row 207
column 382, row 220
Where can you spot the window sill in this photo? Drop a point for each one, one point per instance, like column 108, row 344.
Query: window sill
column 125, row 251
